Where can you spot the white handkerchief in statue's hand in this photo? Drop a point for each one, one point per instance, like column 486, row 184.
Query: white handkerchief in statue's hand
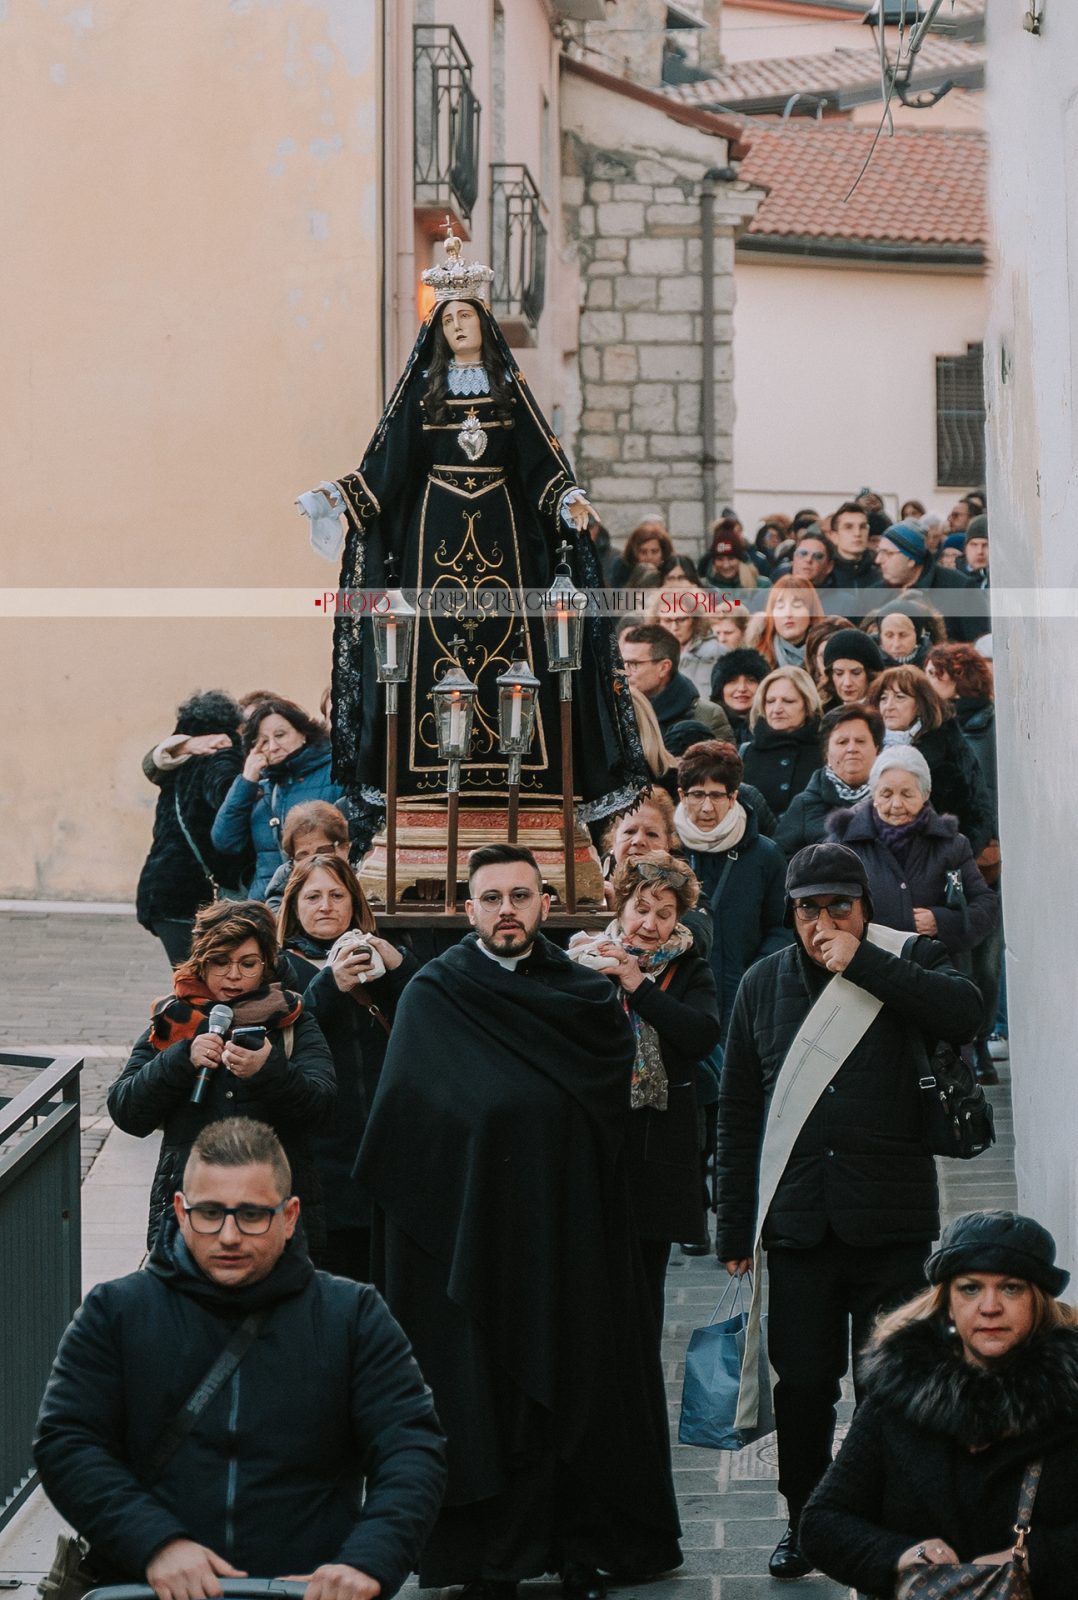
column 327, row 536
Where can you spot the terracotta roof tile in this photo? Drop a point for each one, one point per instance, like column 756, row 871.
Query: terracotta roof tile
column 924, row 186
column 846, row 68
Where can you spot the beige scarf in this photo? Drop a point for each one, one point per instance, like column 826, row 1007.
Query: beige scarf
column 724, row 836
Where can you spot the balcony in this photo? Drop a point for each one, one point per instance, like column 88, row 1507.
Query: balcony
column 518, row 252
column 446, row 129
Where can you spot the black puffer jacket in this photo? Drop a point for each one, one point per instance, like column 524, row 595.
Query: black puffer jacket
column 858, row 1166
column 779, row 763
column 958, row 784
column 920, row 879
column 294, row 1093
column 326, row 1409
column 976, row 716
column 172, row 883
column 357, row 1041
column 938, row 1450
column 805, row 819
column 663, row 1147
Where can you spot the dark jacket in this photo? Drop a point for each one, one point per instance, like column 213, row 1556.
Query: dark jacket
column 805, row 819
column 974, row 620
column 172, row 883
column 851, row 577
column 976, row 716
column 357, row 1042
column 780, row 763
column 252, row 814
column 907, row 1472
column 958, row 784
column 293, row 1093
column 921, row 878
column 681, row 701
column 663, row 1147
column 746, row 904
column 327, row 1405
column 859, row 1166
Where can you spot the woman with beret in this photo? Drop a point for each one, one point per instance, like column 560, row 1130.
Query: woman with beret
column 910, row 852
column 966, row 1386
column 735, row 679
column 851, row 660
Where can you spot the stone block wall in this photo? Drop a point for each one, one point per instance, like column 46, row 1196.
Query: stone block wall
column 633, row 219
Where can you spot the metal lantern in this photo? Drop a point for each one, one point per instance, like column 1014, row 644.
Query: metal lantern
column 454, row 707
column 517, row 689
column 563, row 621
column 393, row 621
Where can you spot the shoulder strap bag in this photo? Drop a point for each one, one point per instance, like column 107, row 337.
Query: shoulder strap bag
column 1007, row 1582
column 220, row 892
column 835, row 1024
column 69, row 1577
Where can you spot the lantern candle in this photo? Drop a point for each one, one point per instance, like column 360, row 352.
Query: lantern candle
column 456, row 724
column 563, row 634
column 391, row 645
column 514, row 720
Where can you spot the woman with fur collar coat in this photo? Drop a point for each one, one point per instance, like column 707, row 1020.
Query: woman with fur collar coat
column 965, row 1386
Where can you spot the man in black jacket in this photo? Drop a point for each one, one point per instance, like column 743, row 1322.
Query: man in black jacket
column 320, row 1454
column 906, row 562
column 856, row 1206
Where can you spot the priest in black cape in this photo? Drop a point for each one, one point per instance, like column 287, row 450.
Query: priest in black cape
column 465, row 487
column 494, row 1155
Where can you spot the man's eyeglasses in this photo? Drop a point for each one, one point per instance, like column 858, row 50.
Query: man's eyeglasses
column 809, row 911
column 209, row 1217
column 811, row 555
column 491, row 900
column 631, row 666
column 700, row 797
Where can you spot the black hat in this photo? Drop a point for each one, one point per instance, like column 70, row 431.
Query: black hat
column 680, row 735
column 826, row 869
column 998, row 1241
column 850, row 644
column 737, row 664
column 977, row 528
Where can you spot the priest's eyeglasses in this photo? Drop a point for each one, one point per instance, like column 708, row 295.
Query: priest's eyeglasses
column 491, row 899
column 208, row 1217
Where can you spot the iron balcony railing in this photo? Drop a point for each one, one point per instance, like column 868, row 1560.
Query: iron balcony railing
column 40, row 1251
column 446, row 122
column 518, row 243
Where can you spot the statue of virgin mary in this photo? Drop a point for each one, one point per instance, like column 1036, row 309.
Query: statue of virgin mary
column 466, row 488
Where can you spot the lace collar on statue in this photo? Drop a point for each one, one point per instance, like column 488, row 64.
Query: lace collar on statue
column 466, row 382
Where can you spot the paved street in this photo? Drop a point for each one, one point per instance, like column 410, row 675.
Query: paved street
column 83, row 982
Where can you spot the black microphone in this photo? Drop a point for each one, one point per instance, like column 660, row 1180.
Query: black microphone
column 220, row 1022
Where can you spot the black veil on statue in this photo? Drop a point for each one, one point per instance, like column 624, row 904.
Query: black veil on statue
column 452, row 519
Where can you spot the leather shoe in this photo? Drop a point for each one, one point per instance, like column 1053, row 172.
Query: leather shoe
column 984, row 1068
column 696, row 1249
column 583, row 1583
column 786, row 1561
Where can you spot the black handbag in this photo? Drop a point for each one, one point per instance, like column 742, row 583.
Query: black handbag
column 956, row 1116
column 964, row 1581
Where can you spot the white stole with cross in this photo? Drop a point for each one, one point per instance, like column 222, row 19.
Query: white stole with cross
column 832, row 1029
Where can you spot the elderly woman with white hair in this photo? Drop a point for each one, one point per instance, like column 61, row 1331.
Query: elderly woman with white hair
column 921, row 870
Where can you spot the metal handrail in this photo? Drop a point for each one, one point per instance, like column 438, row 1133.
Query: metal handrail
column 519, row 242
column 446, row 116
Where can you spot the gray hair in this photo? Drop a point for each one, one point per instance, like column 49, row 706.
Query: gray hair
column 904, row 758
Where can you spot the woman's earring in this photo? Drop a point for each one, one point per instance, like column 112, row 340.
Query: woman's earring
column 952, row 1331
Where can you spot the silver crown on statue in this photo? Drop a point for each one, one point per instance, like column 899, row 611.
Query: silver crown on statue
column 457, row 279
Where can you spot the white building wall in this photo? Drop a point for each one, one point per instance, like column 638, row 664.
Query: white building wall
column 1031, row 371
column 835, row 381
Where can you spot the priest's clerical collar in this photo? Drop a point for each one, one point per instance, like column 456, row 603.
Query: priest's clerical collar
column 508, row 962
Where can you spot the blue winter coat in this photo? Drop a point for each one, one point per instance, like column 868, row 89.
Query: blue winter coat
column 920, row 880
column 252, row 814
column 747, row 906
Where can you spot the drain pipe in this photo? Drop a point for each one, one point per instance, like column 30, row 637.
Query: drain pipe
column 708, row 191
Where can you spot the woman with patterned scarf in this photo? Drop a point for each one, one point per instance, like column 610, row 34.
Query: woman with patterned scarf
column 668, row 993
column 288, row 1082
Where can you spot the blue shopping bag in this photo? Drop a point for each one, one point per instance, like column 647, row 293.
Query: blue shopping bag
column 713, row 1368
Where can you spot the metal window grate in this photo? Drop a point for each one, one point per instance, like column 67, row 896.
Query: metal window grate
column 519, row 242
column 960, row 418
column 446, row 121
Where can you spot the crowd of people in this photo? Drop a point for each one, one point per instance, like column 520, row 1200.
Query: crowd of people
column 511, row 1138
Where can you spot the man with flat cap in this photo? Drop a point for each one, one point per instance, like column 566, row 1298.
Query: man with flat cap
column 821, row 1159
